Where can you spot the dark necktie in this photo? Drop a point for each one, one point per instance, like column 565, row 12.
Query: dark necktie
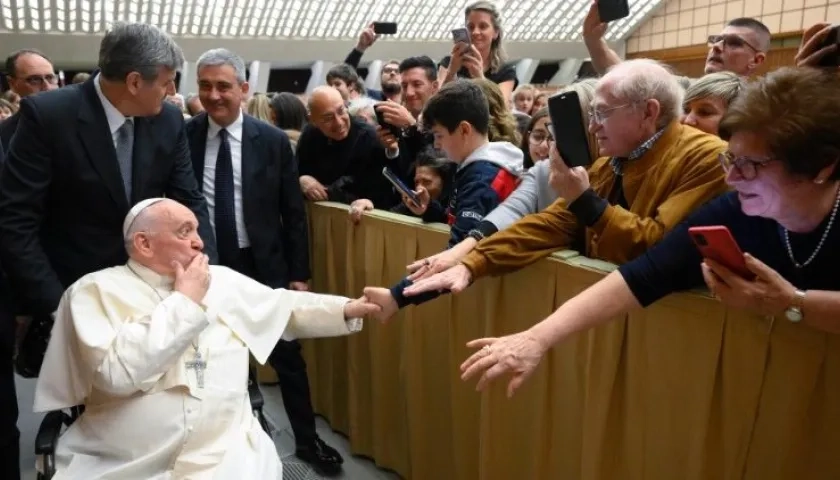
column 224, row 211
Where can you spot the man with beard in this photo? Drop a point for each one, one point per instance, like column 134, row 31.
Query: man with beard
column 390, row 74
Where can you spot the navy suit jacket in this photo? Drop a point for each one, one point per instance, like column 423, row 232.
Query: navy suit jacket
column 62, row 200
column 272, row 203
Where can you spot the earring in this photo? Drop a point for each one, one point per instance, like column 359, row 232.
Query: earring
column 819, row 181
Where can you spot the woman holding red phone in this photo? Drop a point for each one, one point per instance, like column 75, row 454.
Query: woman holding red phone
column 784, row 166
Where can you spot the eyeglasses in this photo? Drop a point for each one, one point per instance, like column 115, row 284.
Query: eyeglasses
column 39, row 80
column 730, row 41
column 390, row 70
column 746, row 167
column 537, row 137
column 600, row 116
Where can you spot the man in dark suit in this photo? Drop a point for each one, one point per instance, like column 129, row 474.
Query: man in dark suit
column 249, row 177
column 82, row 156
column 28, row 72
column 9, row 434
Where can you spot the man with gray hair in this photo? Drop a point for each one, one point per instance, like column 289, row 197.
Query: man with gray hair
column 247, row 171
column 157, row 351
column 652, row 174
column 81, row 156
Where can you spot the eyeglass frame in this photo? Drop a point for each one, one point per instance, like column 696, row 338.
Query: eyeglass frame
column 599, row 117
column 548, row 137
column 728, row 161
column 715, row 39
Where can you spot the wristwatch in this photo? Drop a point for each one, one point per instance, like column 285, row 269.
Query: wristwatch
column 794, row 312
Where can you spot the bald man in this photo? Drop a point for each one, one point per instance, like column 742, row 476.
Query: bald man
column 167, row 337
column 340, row 157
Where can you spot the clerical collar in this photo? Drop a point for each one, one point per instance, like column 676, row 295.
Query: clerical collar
column 154, row 279
column 618, row 162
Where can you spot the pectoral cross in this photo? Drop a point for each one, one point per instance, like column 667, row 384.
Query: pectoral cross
column 199, row 365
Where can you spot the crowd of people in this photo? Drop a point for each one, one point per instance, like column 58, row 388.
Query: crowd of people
column 221, row 177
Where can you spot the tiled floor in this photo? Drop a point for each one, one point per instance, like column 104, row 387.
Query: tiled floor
column 355, row 468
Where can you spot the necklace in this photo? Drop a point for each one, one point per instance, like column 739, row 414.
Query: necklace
column 831, row 218
column 197, row 363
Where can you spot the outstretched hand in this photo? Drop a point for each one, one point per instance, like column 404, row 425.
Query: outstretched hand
column 360, row 307
column 517, row 354
column 384, row 300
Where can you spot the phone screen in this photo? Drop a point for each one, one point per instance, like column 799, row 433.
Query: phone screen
column 400, row 186
column 568, row 130
column 610, row 10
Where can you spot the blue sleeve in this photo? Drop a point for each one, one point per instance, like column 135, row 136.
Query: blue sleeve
column 673, row 264
column 476, row 198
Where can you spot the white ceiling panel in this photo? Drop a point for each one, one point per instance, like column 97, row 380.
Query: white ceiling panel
column 523, row 20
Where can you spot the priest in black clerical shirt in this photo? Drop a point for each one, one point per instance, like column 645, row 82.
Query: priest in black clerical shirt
column 339, row 157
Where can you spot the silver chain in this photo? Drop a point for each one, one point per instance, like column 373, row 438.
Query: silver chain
column 822, row 240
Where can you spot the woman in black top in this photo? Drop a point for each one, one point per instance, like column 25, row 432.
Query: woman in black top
column 484, row 56
column 782, row 163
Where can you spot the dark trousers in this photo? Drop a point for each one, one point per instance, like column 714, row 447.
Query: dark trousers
column 9, row 434
column 288, row 362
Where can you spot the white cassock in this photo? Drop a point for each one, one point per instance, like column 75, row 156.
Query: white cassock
column 121, row 345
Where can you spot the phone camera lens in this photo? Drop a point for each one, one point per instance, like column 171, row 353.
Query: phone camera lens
column 701, row 240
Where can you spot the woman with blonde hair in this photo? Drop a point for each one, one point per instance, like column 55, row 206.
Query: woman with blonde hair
column 259, row 106
column 707, row 99
column 484, row 56
column 503, row 125
column 533, row 194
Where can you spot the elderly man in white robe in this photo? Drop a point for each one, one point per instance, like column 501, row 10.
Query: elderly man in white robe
column 157, row 352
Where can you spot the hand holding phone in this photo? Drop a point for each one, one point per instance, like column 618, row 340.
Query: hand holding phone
column 400, row 186
column 380, row 119
column 717, row 243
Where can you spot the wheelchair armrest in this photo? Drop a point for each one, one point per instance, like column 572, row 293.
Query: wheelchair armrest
column 47, row 437
column 257, row 400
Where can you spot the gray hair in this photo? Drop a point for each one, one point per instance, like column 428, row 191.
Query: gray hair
column 723, row 85
column 642, row 79
column 222, row 56
column 137, row 47
column 361, row 104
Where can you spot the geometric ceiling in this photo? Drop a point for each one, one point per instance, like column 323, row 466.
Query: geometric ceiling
column 522, row 20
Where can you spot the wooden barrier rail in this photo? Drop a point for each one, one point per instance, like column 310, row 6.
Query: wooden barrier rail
column 685, row 389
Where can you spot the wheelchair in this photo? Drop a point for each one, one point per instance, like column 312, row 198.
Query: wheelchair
column 55, row 421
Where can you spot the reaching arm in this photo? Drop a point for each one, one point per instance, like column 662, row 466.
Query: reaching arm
column 587, row 310
column 182, row 188
column 533, row 237
column 24, row 188
column 135, row 352
column 629, row 235
column 293, row 214
column 523, row 201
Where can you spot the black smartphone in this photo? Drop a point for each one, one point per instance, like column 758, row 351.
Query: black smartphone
column 610, row 10
column 568, row 130
column 831, row 59
column 385, row 28
column 400, row 186
column 380, row 119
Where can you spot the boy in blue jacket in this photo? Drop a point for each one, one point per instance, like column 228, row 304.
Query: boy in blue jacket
column 487, row 172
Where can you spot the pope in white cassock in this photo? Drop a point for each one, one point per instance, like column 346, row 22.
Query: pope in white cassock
column 157, row 351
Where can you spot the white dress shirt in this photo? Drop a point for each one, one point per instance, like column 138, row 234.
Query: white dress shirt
column 211, row 151
column 115, row 118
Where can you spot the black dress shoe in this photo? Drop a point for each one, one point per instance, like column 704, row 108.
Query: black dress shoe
column 324, row 459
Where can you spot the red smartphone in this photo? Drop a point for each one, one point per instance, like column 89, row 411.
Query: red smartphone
column 717, row 243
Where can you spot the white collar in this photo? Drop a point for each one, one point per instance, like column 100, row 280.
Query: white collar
column 115, row 118
column 149, row 276
column 234, row 130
